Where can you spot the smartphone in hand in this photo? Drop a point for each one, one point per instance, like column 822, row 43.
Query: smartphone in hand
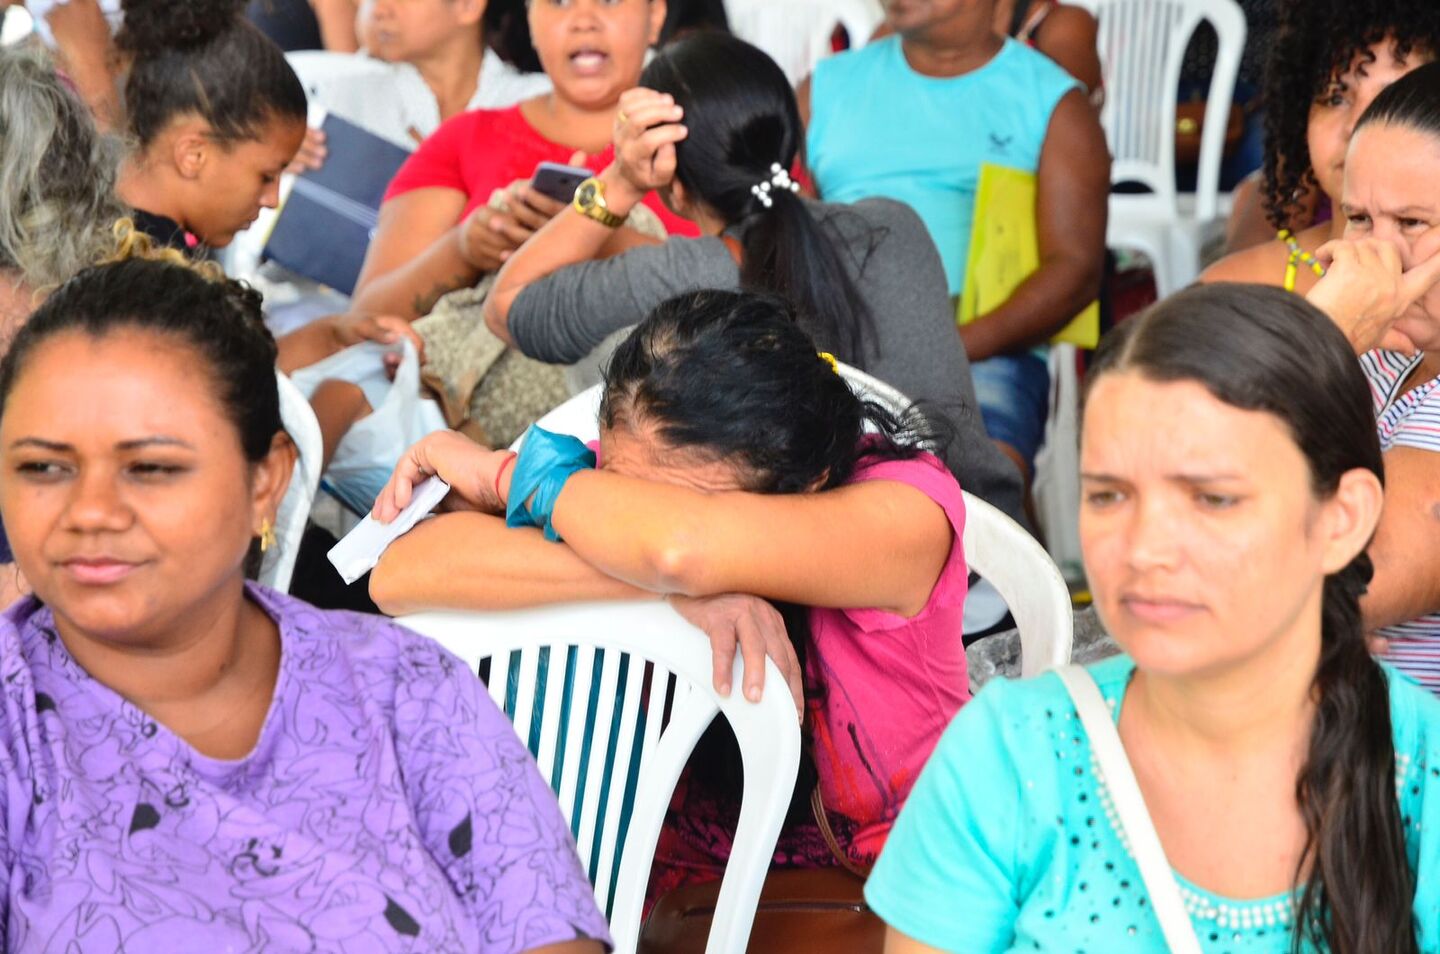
column 558, row 181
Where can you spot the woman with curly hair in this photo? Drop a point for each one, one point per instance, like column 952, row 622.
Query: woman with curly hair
column 1329, row 61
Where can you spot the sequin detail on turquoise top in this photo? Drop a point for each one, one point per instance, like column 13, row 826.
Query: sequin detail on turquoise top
column 1009, row 841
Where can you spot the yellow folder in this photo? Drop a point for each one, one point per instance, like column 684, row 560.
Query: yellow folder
column 1005, row 250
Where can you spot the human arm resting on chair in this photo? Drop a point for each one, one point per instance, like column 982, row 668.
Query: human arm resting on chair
column 877, row 544
column 1071, row 203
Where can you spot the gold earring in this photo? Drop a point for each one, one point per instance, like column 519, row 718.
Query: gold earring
column 267, row 535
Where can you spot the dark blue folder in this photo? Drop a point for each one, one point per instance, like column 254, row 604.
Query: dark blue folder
column 330, row 217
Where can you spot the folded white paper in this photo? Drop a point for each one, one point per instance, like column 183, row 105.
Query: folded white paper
column 358, row 553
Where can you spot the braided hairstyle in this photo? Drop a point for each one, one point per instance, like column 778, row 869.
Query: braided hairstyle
column 1264, row 349
column 203, row 57
column 1314, row 43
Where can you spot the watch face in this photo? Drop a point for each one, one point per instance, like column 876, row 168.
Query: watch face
column 585, row 195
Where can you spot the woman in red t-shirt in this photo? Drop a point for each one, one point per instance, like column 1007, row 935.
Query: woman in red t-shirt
column 437, row 232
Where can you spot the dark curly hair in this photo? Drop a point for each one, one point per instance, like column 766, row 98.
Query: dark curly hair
column 1314, row 42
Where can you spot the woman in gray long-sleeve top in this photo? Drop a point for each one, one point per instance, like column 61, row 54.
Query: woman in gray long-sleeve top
column 865, row 278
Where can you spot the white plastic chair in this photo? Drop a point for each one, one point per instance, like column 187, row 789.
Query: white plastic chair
column 1142, row 44
column 796, row 33
column 996, row 547
column 278, row 566
column 655, row 679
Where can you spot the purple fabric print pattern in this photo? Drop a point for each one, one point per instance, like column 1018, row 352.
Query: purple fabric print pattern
column 387, row 806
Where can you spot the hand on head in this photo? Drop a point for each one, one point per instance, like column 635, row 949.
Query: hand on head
column 647, row 128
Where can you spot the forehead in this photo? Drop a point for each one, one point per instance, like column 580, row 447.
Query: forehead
column 275, row 143
column 125, row 380
column 639, row 451
column 1136, row 427
column 1397, row 162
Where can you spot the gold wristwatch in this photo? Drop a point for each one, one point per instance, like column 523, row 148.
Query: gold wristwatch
column 590, row 202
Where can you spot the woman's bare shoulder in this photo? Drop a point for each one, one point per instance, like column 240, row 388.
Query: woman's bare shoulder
column 1262, row 264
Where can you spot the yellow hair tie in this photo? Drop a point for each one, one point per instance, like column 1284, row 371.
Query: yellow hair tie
column 829, row 359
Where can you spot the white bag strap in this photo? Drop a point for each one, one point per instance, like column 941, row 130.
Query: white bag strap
column 1145, row 845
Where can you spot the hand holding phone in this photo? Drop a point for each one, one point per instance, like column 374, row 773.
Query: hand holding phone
column 558, row 181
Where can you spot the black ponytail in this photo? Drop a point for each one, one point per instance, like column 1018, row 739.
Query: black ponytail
column 1264, row 349
column 743, row 120
column 203, row 57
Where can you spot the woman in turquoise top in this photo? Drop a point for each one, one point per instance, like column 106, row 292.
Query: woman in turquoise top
column 1290, row 777
column 914, row 117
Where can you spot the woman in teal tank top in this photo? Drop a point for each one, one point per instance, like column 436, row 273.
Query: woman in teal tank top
column 915, row 117
column 1232, row 482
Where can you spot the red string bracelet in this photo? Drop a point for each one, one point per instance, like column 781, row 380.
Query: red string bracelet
column 501, row 473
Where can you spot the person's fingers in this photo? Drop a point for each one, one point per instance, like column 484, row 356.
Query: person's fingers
column 752, row 652
column 404, row 329
column 510, row 229
column 637, row 96
column 394, row 498
column 578, row 157
column 1334, row 251
column 650, row 114
column 525, row 212
column 541, row 203
column 1396, row 340
column 786, row 660
column 1426, row 246
column 653, row 140
column 664, row 165
column 722, row 657
column 1417, row 282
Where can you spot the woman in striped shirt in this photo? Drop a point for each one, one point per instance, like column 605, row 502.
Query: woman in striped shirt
column 1380, row 288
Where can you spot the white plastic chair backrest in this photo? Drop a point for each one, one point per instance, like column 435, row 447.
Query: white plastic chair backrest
column 639, row 689
column 797, row 33
column 1142, row 46
column 996, row 547
column 278, row 565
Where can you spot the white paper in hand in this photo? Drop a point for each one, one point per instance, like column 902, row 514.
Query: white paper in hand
column 358, row 553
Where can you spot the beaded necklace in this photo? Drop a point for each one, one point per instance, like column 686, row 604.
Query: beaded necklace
column 1298, row 256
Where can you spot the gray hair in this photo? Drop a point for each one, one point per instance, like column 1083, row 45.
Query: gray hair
column 57, row 175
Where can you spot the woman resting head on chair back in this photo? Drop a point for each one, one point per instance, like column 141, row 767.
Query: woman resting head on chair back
column 164, row 720
column 735, row 475
column 1228, row 560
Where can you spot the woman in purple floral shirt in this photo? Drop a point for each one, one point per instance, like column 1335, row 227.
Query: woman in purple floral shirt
column 192, row 763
